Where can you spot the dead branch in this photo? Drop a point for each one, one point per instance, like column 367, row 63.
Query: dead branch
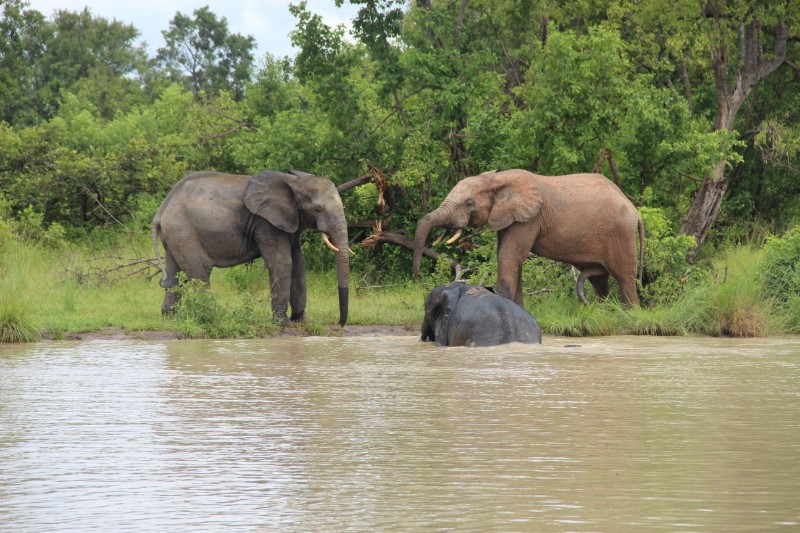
column 382, row 184
column 352, row 184
column 121, row 269
column 791, row 65
column 91, row 193
column 685, row 175
column 232, row 130
column 607, row 155
column 400, row 240
column 539, row 291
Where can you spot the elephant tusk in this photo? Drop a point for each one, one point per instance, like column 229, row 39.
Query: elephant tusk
column 455, row 237
column 351, row 251
column 328, row 243
column 438, row 241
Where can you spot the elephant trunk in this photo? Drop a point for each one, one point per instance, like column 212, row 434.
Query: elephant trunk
column 436, row 218
column 340, row 240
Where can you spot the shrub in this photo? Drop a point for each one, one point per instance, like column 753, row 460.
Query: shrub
column 779, row 268
column 780, row 275
column 668, row 272
column 200, row 315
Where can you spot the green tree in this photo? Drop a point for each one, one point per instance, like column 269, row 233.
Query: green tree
column 201, row 53
column 91, row 55
column 21, row 48
column 718, row 52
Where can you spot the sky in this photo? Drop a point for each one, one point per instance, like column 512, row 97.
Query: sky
column 268, row 21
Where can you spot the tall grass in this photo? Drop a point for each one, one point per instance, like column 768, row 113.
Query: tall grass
column 15, row 324
column 740, row 307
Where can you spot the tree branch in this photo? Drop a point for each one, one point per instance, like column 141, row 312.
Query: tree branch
column 400, row 240
column 793, row 66
column 352, row 184
column 231, row 131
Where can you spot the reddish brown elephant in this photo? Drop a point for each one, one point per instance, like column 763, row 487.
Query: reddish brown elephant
column 580, row 219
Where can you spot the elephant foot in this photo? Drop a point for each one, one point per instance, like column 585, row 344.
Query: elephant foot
column 299, row 317
column 170, row 301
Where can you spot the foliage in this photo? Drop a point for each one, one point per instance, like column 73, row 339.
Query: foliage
column 201, row 53
column 15, row 325
column 93, row 132
column 668, row 270
column 780, row 274
column 200, row 315
column 741, row 309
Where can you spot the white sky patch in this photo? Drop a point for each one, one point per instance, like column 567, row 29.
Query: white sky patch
column 268, row 21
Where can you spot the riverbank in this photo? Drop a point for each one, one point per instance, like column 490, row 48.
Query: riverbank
column 120, row 334
column 73, row 292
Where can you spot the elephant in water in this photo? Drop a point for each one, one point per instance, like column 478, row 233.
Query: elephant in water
column 580, row 219
column 211, row 219
column 459, row 314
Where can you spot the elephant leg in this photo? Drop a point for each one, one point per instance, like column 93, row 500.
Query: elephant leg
column 278, row 258
column 589, row 273
column 600, row 284
column 627, row 286
column 297, row 294
column 518, row 292
column 623, row 269
column 169, row 282
column 513, row 246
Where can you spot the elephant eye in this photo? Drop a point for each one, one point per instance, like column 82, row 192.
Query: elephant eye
column 318, row 209
column 470, row 202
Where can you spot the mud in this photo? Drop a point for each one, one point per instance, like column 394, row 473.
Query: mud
column 331, row 331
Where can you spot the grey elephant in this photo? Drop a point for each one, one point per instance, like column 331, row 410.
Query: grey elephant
column 460, row 314
column 211, row 219
column 581, row 219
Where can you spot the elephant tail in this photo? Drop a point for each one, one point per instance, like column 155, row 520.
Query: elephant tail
column 154, row 237
column 640, row 226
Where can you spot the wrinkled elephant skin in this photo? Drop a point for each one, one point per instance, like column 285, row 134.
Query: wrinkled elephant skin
column 581, row 219
column 459, row 314
column 211, row 219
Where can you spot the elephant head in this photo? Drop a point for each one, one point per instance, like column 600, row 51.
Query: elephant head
column 497, row 199
column 295, row 201
column 439, row 307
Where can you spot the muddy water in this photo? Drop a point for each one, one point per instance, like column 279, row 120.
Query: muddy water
column 389, row 434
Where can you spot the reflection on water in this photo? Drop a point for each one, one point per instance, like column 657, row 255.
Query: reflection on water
column 387, row 433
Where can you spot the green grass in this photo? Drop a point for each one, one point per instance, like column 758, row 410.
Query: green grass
column 52, row 292
column 15, row 325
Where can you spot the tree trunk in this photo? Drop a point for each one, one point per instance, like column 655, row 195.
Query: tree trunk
column 754, row 68
column 706, row 205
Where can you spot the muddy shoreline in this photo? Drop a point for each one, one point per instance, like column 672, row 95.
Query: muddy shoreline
column 153, row 335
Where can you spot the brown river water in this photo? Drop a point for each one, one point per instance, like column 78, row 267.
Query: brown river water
column 390, row 434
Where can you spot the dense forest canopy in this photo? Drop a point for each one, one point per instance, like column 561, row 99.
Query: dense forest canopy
column 693, row 107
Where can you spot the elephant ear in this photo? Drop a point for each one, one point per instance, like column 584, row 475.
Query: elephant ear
column 516, row 199
column 448, row 301
column 269, row 196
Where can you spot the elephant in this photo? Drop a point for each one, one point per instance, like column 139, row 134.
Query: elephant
column 581, row 219
column 212, row 219
column 460, row 314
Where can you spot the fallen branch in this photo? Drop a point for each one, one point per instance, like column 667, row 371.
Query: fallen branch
column 400, row 240
column 96, row 274
column 352, row 184
column 540, row 291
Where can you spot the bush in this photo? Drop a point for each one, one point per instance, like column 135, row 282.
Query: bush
column 668, row 272
column 779, row 268
column 199, row 315
column 780, row 275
